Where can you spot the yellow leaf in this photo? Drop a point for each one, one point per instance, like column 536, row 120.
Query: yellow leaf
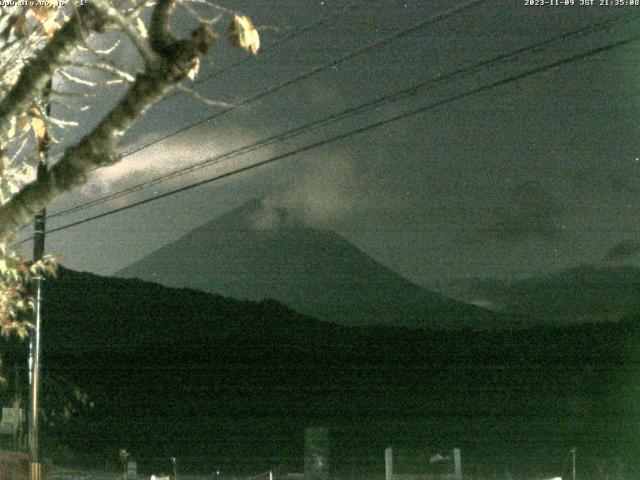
column 33, row 120
column 194, row 70
column 46, row 16
column 19, row 25
column 141, row 28
column 42, row 12
column 39, row 128
column 24, row 123
column 11, row 131
column 243, row 34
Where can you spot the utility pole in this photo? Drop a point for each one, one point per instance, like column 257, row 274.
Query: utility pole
column 34, row 347
column 573, row 462
column 35, row 466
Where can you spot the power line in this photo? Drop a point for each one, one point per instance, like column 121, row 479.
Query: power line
column 296, row 33
column 510, row 56
column 356, row 53
column 389, row 38
column 360, row 130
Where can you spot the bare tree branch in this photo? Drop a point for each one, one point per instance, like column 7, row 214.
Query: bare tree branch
column 35, row 75
column 128, row 27
column 35, row 42
column 207, row 101
column 99, row 147
column 161, row 37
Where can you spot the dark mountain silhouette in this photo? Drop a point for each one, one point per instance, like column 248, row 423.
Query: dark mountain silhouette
column 225, row 383
column 257, row 252
column 586, row 293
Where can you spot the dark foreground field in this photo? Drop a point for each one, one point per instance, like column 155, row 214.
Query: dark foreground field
column 231, row 385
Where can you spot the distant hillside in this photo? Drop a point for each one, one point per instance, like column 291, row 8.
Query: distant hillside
column 257, row 252
column 221, row 382
column 585, row 293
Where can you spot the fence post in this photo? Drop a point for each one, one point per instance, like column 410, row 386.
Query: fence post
column 457, row 462
column 388, row 464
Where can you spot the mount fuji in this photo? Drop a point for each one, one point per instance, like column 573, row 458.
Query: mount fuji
column 258, row 252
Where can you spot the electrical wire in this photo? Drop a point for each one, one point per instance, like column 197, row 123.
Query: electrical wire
column 349, row 112
column 360, row 130
column 293, row 35
column 315, row 70
column 389, row 38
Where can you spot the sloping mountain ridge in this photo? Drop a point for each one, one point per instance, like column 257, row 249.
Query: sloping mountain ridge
column 257, row 252
column 584, row 293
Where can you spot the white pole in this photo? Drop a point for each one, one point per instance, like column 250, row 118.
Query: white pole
column 388, row 464
column 457, row 462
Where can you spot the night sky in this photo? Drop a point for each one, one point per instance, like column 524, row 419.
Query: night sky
column 529, row 177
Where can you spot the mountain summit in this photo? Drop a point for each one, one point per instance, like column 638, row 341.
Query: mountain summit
column 258, row 251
